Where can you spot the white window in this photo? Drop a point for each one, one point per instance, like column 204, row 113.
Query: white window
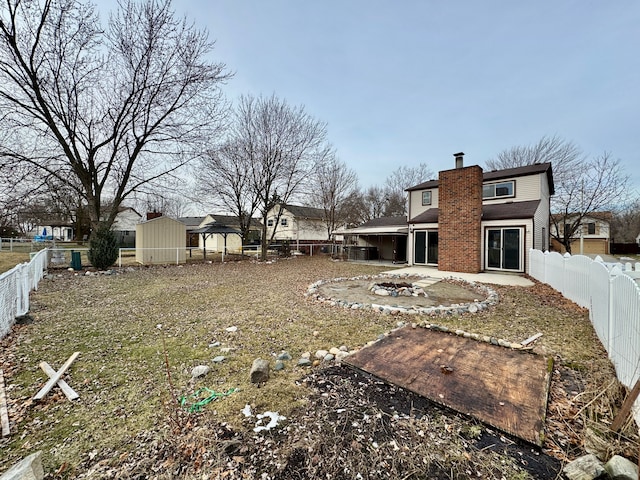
column 270, row 222
column 426, row 197
column 283, row 222
column 498, row 190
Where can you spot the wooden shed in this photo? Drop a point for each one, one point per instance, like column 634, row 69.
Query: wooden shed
column 161, row 240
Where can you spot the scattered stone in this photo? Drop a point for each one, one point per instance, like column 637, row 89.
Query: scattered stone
column 30, row 468
column 284, row 356
column 620, row 468
column 328, row 357
column 587, row 467
column 473, row 308
column 316, row 333
column 219, row 359
column 304, row 362
column 382, row 292
column 306, row 355
column 320, row 354
column 232, row 329
column 279, row 365
column 259, row 371
column 343, row 348
column 214, row 344
column 334, row 350
column 341, row 356
column 200, row 371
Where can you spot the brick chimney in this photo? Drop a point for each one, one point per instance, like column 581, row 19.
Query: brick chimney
column 152, row 215
column 460, row 214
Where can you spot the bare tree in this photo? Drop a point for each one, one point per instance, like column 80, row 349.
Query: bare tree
column 224, row 175
column 396, row 184
column 332, row 185
column 103, row 111
column 583, row 186
column 625, row 225
column 270, row 154
column 565, row 157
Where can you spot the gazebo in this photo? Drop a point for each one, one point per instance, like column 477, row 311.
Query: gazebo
column 211, row 229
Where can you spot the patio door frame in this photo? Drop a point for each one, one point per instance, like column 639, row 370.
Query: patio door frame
column 497, row 255
column 429, row 251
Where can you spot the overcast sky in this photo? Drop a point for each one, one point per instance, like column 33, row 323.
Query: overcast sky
column 405, row 82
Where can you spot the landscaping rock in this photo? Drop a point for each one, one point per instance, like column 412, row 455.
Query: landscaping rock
column 304, row 362
column 200, row 371
column 259, row 371
column 620, row 468
column 587, row 467
column 279, row 365
column 284, row 356
column 219, row 359
column 320, row 354
column 29, row 468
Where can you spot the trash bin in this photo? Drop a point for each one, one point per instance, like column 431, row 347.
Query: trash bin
column 76, row 262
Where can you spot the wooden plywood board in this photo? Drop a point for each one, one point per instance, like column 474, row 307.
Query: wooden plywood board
column 505, row 388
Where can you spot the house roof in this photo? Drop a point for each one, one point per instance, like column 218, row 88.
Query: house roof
column 496, row 211
column 305, row 212
column 378, row 226
column 534, row 169
column 603, row 216
column 191, row 221
column 230, row 220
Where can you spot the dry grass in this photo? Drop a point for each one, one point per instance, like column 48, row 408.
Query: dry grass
column 123, row 323
column 8, row 260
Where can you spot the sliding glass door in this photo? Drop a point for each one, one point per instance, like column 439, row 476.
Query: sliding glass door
column 425, row 247
column 504, row 248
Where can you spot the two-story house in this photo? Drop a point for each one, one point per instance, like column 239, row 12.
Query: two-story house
column 297, row 224
column 591, row 236
column 470, row 220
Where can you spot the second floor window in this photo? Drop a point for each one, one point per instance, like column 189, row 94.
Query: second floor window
column 591, row 228
column 283, row 222
column 270, row 222
column 426, row 198
column 497, row 190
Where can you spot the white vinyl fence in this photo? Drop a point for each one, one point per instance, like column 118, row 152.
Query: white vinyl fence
column 611, row 293
column 15, row 286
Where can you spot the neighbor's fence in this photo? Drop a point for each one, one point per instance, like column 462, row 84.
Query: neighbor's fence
column 611, row 293
column 15, row 286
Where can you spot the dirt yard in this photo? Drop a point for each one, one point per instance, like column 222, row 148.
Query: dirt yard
column 141, row 331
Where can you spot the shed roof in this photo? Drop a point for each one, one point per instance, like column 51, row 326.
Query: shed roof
column 216, row 228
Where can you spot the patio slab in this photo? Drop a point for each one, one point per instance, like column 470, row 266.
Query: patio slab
column 484, row 277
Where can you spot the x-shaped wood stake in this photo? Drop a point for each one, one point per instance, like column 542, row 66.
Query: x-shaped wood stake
column 56, row 377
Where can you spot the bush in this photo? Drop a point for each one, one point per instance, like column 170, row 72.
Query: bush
column 103, row 248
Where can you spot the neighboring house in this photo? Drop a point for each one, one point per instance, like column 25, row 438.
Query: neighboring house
column 124, row 226
column 192, row 223
column 216, row 242
column 297, row 224
column 591, row 237
column 638, row 239
column 469, row 220
column 382, row 238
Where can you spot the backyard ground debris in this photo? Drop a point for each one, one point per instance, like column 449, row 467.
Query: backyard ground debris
column 55, row 378
column 203, row 396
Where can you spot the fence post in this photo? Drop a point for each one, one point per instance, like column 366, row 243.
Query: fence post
column 613, row 273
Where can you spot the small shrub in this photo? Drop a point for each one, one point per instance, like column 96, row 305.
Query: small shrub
column 103, row 248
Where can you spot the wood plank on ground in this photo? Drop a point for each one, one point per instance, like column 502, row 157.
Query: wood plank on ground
column 4, row 413
column 57, row 376
column 69, row 392
column 505, row 388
